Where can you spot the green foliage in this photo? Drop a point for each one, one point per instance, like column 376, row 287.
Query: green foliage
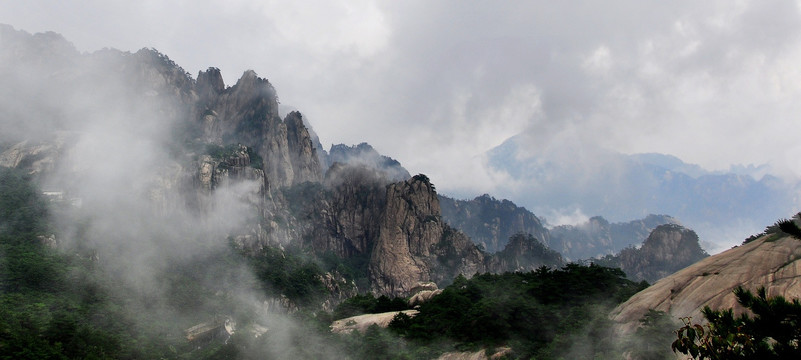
column 789, row 227
column 256, row 161
column 424, row 178
column 50, row 306
column 354, row 268
column 287, row 273
column 22, row 209
column 537, row 312
column 785, row 226
column 773, row 333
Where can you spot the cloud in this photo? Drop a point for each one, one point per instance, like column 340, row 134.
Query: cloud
column 437, row 85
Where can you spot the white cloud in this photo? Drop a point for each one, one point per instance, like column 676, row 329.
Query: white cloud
column 436, row 84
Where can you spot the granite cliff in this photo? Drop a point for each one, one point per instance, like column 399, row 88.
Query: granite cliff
column 415, row 245
column 770, row 261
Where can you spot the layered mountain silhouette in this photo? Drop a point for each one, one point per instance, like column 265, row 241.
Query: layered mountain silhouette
column 580, row 177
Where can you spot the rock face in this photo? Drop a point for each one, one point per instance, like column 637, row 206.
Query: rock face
column 597, row 237
column 772, row 261
column 414, row 244
column 490, row 222
column 668, row 249
column 247, row 113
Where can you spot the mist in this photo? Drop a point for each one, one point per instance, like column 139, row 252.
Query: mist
column 104, row 131
column 547, row 105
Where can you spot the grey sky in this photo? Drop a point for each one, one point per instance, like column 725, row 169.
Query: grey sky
column 437, row 84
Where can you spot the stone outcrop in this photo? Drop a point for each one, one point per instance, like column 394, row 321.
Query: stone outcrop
column 414, row 243
column 771, row 261
column 360, row 323
column 37, row 157
column 352, row 218
column 423, row 292
column 247, row 113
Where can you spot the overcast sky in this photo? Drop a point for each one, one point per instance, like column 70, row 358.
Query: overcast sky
column 435, row 84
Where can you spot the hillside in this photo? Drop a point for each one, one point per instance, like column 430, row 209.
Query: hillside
column 771, row 261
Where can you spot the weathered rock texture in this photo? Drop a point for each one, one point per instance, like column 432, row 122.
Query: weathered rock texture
column 771, row 261
column 414, row 243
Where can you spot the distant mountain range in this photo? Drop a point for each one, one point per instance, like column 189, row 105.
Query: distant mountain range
column 723, row 207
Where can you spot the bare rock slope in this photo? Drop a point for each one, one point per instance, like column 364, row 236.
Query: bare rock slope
column 771, row 261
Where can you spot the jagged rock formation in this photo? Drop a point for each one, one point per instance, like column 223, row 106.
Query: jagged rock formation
column 669, row 248
column 414, row 243
column 524, row 253
column 421, row 294
column 771, row 261
column 490, row 222
column 597, row 237
column 366, row 155
column 247, row 113
column 205, row 144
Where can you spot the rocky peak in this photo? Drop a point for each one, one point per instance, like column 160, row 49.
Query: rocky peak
column 247, row 113
column 302, row 151
column 669, row 248
column 414, row 244
column 209, row 83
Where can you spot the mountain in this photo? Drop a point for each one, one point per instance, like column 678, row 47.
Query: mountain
column 667, row 249
column 524, row 253
column 158, row 146
column 770, row 261
column 490, row 222
column 577, row 177
column 598, row 237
